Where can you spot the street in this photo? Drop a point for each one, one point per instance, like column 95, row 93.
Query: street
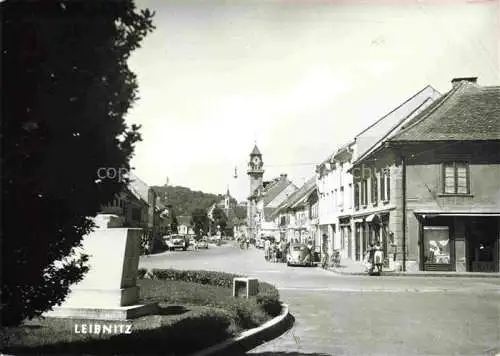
column 357, row 315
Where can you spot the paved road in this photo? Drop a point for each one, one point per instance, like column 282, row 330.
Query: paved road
column 356, row 315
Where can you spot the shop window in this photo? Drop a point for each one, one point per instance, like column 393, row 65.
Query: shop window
column 456, row 178
column 436, row 245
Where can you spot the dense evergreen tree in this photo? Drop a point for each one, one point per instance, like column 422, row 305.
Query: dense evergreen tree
column 66, row 87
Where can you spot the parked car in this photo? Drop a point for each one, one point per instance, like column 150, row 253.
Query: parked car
column 175, row 242
column 203, row 243
column 299, row 255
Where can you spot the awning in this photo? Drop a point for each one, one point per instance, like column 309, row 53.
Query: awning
column 374, row 218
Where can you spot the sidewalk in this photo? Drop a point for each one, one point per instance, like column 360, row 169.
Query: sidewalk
column 356, row 268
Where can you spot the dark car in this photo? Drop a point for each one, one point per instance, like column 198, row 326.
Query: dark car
column 299, row 255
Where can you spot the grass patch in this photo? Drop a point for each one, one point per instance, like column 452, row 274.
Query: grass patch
column 197, row 310
column 196, row 328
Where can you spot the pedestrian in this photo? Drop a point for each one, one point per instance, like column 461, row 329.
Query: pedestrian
column 371, row 253
column 378, row 257
column 283, row 251
column 267, row 247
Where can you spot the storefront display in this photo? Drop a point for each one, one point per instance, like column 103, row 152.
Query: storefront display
column 436, row 245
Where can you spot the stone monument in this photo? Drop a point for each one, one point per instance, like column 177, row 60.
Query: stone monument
column 108, row 291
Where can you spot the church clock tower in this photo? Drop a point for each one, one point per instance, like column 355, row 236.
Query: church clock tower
column 255, row 173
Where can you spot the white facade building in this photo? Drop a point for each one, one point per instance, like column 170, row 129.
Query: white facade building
column 335, row 200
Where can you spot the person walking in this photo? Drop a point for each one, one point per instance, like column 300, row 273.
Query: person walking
column 267, row 247
column 283, row 250
column 324, row 252
column 378, row 257
column 371, row 254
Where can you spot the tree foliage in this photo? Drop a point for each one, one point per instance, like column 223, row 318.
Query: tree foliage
column 66, row 87
column 200, row 222
column 219, row 219
column 185, row 200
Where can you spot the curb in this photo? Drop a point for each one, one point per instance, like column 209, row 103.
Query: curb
column 422, row 274
column 252, row 338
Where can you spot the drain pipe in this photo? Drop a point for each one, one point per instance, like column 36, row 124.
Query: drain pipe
column 403, row 168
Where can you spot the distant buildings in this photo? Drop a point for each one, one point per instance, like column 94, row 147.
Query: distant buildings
column 184, row 226
column 139, row 206
column 265, row 196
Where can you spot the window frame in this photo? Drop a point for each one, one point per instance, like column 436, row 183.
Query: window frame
column 356, row 195
column 364, row 192
column 456, row 165
column 382, row 185
column 374, row 190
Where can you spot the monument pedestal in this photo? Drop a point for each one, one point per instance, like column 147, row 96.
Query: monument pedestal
column 108, row 291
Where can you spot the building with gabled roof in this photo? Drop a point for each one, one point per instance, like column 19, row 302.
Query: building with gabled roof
column 264, row 197
column 335, row 178
column 296, row 216
column 430, row 190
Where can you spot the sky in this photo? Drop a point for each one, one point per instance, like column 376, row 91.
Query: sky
column 299, row 78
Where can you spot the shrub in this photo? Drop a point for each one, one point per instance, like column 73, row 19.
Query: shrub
column 219, row 279
column 268, row 298
column 141, row 272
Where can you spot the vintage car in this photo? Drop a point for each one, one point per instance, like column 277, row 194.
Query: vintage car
column 176, row 242
column 299, row 255
column 203, row 243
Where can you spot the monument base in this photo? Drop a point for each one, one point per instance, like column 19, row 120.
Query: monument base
column 98, row 313
column 101, row 298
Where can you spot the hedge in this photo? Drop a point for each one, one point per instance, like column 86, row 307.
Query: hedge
column 219, row 279
column 268, row 296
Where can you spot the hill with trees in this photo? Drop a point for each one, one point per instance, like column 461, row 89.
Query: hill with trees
column 184, row 200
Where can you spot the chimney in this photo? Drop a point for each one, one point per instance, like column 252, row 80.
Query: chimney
column 456, row 81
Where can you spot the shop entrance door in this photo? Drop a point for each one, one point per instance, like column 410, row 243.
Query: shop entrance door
column 349, row 241
column 482, row 245
column 357, row 245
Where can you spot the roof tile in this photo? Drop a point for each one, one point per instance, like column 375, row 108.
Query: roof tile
column 467, row 112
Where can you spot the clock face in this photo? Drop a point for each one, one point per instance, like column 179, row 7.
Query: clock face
column 256, row 160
